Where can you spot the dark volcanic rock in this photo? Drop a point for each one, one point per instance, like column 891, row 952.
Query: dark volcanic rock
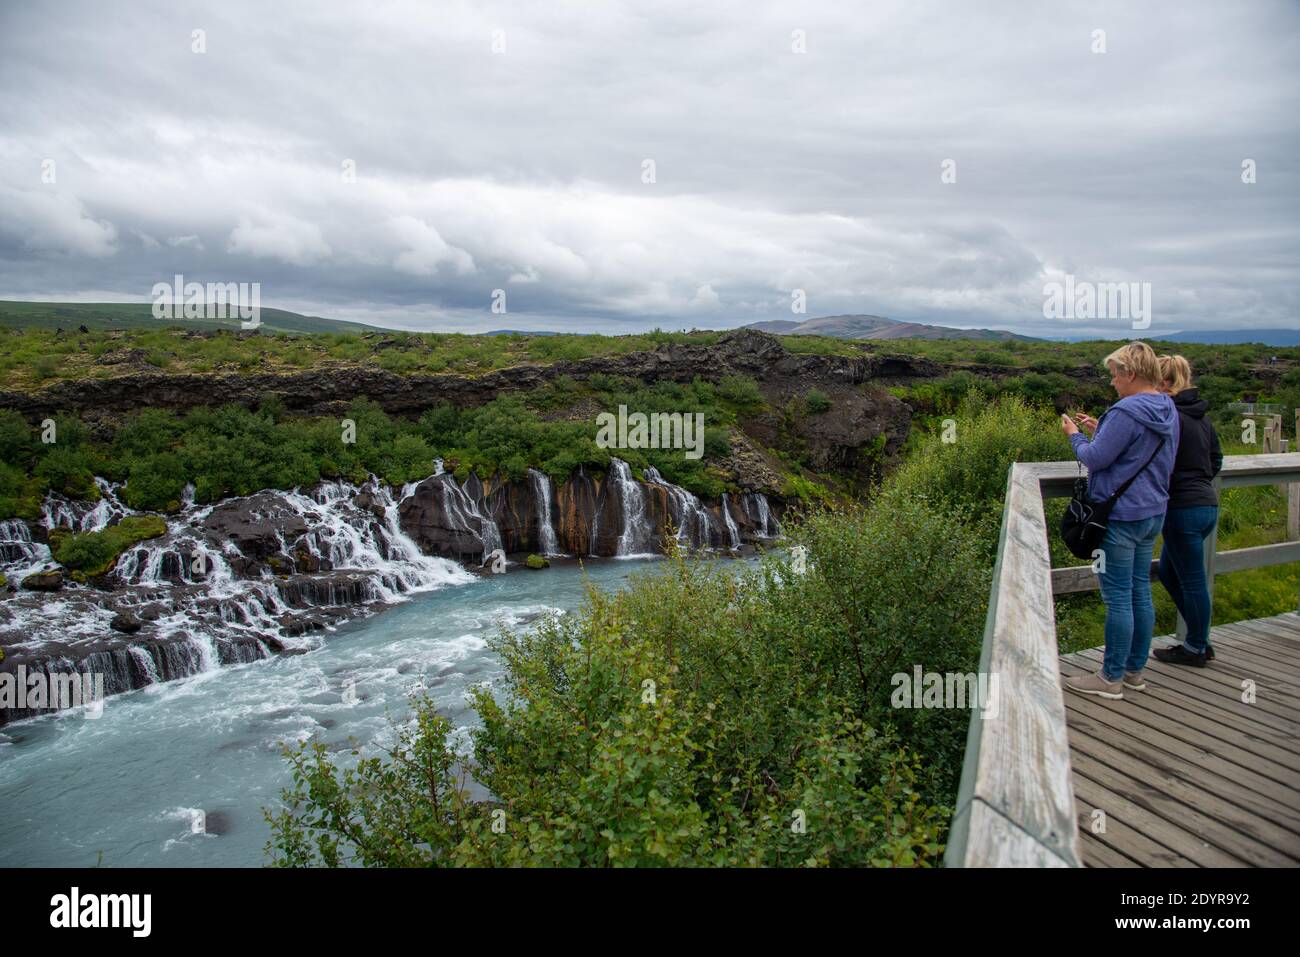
column 48, row 580
column 257, row 525
column 126, row 623
column 438, row 518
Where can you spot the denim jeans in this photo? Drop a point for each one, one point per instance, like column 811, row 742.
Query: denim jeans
column 1182, row 569
column 1126, row 590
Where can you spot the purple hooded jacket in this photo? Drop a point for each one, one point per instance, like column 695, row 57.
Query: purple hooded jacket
column 1129, row 432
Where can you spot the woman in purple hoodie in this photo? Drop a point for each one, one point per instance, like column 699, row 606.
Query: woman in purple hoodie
column 1137, row 436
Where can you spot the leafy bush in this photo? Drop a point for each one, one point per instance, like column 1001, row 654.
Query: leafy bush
column 817, row 401
column 691, row 720
column 87, row 554
column 967, row 477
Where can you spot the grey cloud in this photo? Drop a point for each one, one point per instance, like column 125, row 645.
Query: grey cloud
column 775, row 170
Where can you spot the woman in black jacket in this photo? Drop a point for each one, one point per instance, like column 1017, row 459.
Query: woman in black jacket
column 1192, row 515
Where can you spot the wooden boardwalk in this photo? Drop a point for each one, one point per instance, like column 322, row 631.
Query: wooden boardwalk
column 1185, row 773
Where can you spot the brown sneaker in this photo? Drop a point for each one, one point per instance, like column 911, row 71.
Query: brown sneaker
column 1098, row 685
column 1135, row 680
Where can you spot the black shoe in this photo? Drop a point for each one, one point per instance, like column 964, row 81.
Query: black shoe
column 1178, row 655
column 1209, row 652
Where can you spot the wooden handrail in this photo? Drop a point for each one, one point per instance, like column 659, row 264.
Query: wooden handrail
column 1015, row 803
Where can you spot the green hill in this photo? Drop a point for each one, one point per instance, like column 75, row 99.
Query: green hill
column 139, row 315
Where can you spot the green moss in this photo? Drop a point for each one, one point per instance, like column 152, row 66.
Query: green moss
column 536, row 561
column 89, row 554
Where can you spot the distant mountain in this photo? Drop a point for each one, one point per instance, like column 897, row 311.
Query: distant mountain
column 878, row 327
column 1214, row 337
column 139, row 315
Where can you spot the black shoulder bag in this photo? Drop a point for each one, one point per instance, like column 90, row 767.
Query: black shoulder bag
column 1083, row 525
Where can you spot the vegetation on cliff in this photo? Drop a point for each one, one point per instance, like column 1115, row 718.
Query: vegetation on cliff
column 88, row 554
column 708, row 715
column 231, row 450
column 696, row 717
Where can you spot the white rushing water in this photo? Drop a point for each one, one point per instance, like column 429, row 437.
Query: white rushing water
column 694, row 524
column 633, row 539
column 733, row 533
column 545, row 497
column 132, row 783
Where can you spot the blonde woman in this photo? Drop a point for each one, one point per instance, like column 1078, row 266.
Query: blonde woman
column 1193, row 513
column 1136, row 438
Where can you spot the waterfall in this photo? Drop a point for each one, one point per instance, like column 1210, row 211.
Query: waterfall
column 58, row 511
column 733, row 533
column 694, row 527
column 760, row 512
column 19, row 555
column 336, row 551
column 464, row 512
column 632, row 540
column 541, row 485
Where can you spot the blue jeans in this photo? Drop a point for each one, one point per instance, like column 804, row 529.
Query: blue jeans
column 1126, row 590
column 1182, row 569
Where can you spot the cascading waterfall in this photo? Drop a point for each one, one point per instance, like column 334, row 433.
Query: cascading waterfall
column 632, row 540
column 18, row 552
column 694, row 524
column 733, row 533
column 193, row 601
column 464, row 512
column 57, row 511
column 760, row 512
column 238, row 580
column 541, row 485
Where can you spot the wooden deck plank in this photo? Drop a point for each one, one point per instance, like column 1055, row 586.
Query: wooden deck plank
column 1227, row 674
column 1116, row 795
column 1257, row 646
column 1215, row 820
column 1186, row 772
column 1231, row 732
column 1191, row 683
column 1096, row 853
column 1136, row 833
column 1258, row 649
column 1271, row 799
column 1268, row 641
column 1237, row 717
column 1196, row 768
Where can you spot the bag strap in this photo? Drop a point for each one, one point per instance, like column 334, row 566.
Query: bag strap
column 1124, row 488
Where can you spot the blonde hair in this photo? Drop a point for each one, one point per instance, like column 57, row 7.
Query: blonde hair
column 1136, row 358
column 1175, row 372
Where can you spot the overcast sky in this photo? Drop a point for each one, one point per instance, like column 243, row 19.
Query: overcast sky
column 523, row 168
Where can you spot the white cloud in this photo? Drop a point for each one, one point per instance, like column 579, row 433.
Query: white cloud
column 53, row 221
column 191, row 241
column 424, row 250
column 277, row 236
column 776, row 171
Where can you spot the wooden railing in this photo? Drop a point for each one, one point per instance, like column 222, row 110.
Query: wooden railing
column 1015, row 803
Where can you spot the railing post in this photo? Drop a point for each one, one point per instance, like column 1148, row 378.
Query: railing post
column 1293, row 495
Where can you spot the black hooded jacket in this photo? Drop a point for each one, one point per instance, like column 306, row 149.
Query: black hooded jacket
column 1199, row 456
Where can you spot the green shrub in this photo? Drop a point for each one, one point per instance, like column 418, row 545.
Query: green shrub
column 817, row 401
column 967, row 477
column 87, row 554
column 691, row 720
